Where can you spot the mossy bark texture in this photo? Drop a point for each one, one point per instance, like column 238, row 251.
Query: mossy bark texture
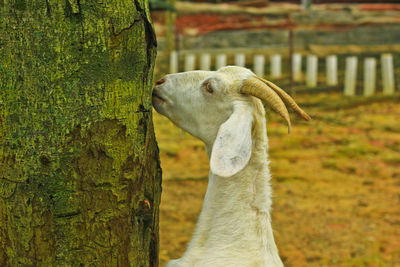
column 80, row 181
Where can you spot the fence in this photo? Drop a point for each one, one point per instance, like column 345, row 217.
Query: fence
column 257, row 63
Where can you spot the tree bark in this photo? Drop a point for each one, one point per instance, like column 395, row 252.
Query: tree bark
column 80, row 180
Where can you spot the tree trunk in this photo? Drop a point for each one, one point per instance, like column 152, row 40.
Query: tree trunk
column 80, row 179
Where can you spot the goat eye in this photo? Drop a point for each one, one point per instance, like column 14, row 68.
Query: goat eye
column 208, row 88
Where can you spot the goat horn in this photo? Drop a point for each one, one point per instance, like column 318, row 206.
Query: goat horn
column 258, row 88
column 287, row 99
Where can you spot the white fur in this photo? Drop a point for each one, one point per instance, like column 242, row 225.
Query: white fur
column 231, row 150
column 234, row 227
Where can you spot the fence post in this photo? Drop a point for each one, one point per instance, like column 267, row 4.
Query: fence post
column 350, row 76
column 240, row 60
column 369, row 76
column 190, row 62
column 259, row 62
column 312, row 71
column 296, row 67
column 276, row 66
column 220, row 61
column 205, row 61
column 306, row 4
column 331, row 70
column 387, row 74
column 173, row 62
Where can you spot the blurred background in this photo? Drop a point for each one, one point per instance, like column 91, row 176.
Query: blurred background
column 336, row 180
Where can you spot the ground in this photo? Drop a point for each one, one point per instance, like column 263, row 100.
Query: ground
column 336, row 183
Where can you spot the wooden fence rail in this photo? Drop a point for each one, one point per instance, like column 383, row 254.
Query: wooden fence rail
column 203, row 61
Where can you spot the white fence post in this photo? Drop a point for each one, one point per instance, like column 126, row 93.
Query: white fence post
column 350, row 76
column 276, row 66
column 173, row 62
column 205, row 62
column 296, row 67
column 312, row 71
column 387, row 74
column 220, row 61
column 190, row 62
column 331, row 70
column 259, row 62
column 369, row 76
column 240, row 60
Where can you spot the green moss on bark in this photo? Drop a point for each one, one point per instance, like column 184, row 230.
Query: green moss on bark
column 80, row 179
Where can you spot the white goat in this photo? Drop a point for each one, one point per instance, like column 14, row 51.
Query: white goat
column 223, row 109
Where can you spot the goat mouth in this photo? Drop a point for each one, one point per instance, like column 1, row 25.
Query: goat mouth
column 157, row 97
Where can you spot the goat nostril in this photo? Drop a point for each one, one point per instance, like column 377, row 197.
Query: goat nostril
column 161, row 81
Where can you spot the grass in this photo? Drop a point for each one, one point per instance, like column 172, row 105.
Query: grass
column 336, row 183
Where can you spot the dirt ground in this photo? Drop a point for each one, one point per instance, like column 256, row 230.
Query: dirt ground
column 336, row 183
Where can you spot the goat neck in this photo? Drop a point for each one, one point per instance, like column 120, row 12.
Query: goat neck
column 234, row 228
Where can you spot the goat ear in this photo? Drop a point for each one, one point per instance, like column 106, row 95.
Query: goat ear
column 232, row 147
